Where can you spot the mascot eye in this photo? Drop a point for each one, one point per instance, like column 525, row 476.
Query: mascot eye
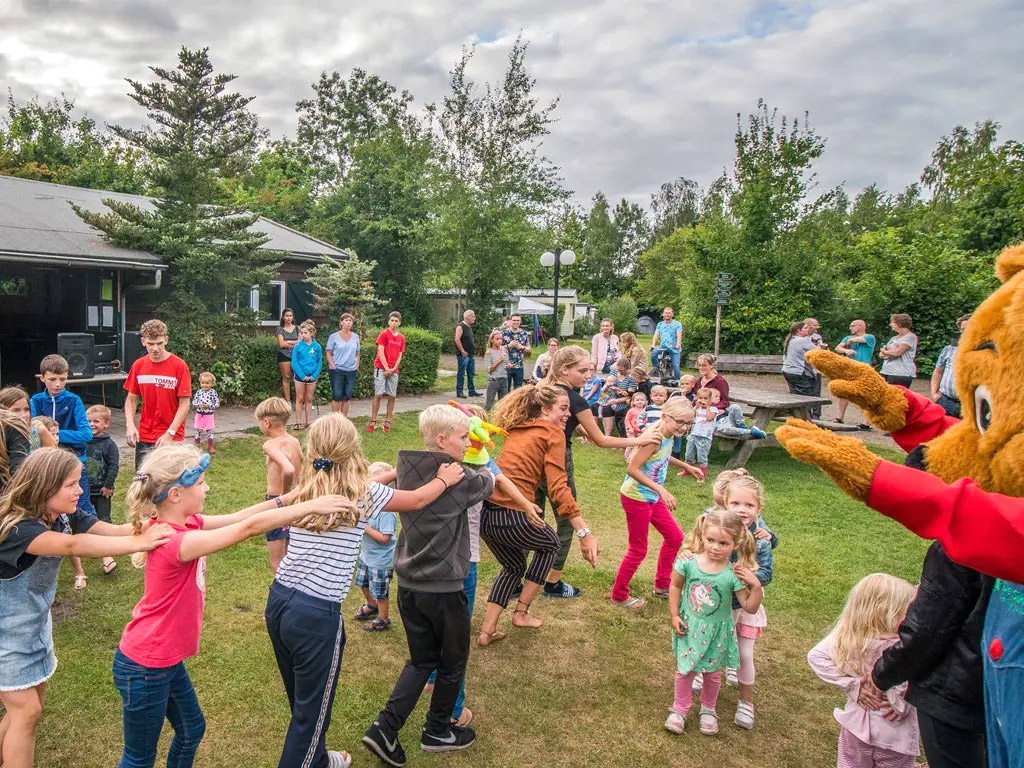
column 982, row 408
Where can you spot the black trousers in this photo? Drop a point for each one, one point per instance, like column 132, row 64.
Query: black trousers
column 101, row 504
column 437, row 630
column 947, row 746
column 810, row 386
column 900, row 381
column 141, row 451
column 564, row 525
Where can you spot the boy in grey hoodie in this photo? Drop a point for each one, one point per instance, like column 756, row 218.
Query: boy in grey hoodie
column 431, row 561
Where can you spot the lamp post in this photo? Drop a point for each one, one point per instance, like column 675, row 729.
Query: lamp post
column 556, row 259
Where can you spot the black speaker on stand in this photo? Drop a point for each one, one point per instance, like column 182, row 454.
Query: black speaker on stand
column 133, row 349
column 77, row 349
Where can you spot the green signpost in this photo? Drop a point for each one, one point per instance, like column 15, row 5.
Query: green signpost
column 723, row 291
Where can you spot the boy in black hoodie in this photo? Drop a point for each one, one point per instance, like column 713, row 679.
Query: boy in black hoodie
column 102, row 460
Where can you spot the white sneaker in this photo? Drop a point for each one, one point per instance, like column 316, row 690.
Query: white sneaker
column 698, row 682
column 338, row 759
column 676, row 722
column 744, row 715
column 731, row 678
column 708, row 721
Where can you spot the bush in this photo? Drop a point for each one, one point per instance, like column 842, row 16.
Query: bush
column 622, row 311
column 253, row 374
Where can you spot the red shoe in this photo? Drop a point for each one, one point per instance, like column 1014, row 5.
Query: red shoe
column 684, row 473
column 387, row 425
column 371, row 426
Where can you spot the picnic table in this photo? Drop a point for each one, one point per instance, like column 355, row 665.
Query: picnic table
column 768, row 406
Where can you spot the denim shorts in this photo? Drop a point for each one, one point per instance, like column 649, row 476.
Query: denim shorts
column 377, row 580
column 275, row 534
column 343, row 384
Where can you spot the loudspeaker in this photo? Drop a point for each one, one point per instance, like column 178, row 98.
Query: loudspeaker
column 133, row 349
column 77, row 349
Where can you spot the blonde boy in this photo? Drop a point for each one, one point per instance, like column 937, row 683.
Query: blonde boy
column 283, row 458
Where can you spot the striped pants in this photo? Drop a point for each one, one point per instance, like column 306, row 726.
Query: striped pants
column 854, row 753
column 510, row 537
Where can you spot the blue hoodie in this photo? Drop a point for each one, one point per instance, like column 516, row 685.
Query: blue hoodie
column 307, row 359
column 69, row 413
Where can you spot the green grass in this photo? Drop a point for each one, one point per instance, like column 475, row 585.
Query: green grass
column 589, row 689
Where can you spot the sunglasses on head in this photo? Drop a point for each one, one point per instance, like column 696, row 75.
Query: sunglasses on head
column 188, row 478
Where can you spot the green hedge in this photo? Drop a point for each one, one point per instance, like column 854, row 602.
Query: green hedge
column 253, row 374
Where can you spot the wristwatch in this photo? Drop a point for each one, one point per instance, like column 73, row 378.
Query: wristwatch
column 172, row 432
column 582, row 533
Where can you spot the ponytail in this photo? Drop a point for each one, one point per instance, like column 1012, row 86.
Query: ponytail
column 746, row 548
column 525, row 403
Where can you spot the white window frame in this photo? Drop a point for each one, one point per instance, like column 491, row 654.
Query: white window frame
column 254, row 302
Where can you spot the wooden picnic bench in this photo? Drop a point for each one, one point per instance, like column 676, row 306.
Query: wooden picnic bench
column 743, row 363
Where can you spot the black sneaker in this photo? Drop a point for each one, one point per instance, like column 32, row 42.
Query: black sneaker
column 476, row 394
column 388, row 750
column 864, row 427
column 452, row 740
column 562, row 590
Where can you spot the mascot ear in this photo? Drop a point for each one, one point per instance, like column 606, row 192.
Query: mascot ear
column 1010, row 262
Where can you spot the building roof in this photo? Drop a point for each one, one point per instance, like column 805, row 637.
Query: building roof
column 38, row 225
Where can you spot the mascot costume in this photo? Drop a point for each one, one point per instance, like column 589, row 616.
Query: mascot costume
column 963, row 485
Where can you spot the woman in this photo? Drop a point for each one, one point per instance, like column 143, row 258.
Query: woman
column 544, row 359
column 632, row 351
column 730, row 422
column 799, row 374
column 898, row 364
column 604, row 347
column 343, row 363
column 287, row 337
column 569, row 370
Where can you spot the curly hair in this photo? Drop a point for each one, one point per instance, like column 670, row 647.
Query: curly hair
column 525, row 403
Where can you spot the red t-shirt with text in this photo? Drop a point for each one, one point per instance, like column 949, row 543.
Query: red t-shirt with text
column 159, row 385
column 394, row 345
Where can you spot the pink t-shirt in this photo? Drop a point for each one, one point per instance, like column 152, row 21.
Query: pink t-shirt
column 167, row 621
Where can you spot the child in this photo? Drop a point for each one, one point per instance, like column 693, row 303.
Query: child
column 377, row 562
column 867, row 626
column 686, row 386
column 432, row 562
column 618, row 389
column 705, row 635
column 307, row 361
column 390, row 350
column 38, row 513
column 698, row 442
column 49, row 426
column 16, row 434
column 303, row 612
column 643, row 384
column 149, row 668
column 731, row 423
column 659, row 396
column 635, row 419
column 283, row 456
column 205, row 401
column 496, row 362
column 102, row 461
column 591, row 392
column 646, row 502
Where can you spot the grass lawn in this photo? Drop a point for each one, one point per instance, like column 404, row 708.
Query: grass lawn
column 589, row 689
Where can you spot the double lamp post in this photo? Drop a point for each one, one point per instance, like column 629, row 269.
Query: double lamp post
column 556, row 259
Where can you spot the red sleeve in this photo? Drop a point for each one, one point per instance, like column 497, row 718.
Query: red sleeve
column 722, row 386
column 184, row 380
column 131, row 384
column 403, row 343
column 981, row 530
column 925, row 421
column 381, row 337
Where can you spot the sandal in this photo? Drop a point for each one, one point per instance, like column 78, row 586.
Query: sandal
column 80, row 582
column 110, row 567
column 486, row 638
column 377, row 625
column 366, row 611
column 661, row 594
column 387, row 425
column 632, row 602
column 371, row 426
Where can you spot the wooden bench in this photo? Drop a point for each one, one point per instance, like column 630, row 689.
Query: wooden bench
column 743, row 363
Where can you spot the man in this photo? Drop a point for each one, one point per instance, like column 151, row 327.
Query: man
column 814, row 332
column 165, row 385
column 668, row 335
column 860, row 346
column 464, row 353
column 517, row 343
column 943, row 383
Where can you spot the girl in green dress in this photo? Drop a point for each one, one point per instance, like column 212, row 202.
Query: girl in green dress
column 700, row 604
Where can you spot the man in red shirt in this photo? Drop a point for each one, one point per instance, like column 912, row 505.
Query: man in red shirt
column 165, row 385
column 390, row 348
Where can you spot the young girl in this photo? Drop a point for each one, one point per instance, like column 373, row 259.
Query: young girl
column 303, row 612
column 496, row 360
column 866, row 627
column 534, row 452
column 636, row 418
column 37, row 514
column 205, row 401
column 307, row 360
column 149, row 668
column 705, row 634
column 647, row 502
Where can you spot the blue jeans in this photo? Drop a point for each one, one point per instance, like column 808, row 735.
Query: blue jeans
column 467, row 370
column 84, row 503
column 698, row 448
column 675, row 353
column 469, row 587
column 732, row 423
column 343, row 384
column 515, row 378
column 150, row 694
column 1004, row 675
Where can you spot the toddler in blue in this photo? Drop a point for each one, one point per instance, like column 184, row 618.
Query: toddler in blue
column 377, row 563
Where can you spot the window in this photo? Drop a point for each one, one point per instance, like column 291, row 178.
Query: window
column 99, row 301
column 269, row 301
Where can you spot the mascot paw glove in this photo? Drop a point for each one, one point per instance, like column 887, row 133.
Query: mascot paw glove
column 884, row 404
column 845, row 459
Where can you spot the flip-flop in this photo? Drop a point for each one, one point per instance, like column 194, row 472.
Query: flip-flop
column 632, row 602
column 81, row 582
column 110, row 567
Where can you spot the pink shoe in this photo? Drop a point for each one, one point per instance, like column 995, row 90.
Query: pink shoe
column 371, row 426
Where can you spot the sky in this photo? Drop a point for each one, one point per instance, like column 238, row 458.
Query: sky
column 648, row 90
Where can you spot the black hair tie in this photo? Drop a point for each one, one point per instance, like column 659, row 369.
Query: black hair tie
column 323, row 465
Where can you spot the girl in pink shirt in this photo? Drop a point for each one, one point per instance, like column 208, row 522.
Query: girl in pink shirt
column 867, row 626
column 149, row 669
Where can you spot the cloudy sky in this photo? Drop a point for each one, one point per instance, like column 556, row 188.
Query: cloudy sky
column 649, row 88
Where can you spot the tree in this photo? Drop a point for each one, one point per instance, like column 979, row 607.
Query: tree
column 345, row 286
column 279, row 185
column 676, row 204
column 598, row 274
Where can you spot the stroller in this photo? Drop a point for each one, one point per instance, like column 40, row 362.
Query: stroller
column 664, row 370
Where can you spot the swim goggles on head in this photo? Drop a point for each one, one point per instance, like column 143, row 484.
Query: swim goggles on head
column 188, row 478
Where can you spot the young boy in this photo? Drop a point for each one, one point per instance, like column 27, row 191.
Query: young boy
column 390, row 348
column 283, row 459
column 102, row 461
column 432, row 562
column 377, row 561
column 164, row 383
column 659, row 395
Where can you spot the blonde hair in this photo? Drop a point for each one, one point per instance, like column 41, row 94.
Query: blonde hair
column 722, row 482
column 477, row 410
column 687, row 378
column 746, row 549
column 874, row 608
column 566, row 357
column 11, row 395
column 308, row 325
column 153, row 329
column 38, row 480
column 525, row 403
column 491, row 336
column 207, row 375
column 704, row 392
column 628, row 341
column 746, row 482
column 379, row 468
column 439, row 420
column 636, row 395
column 333, row 438
column 100, row 410
column 45, row 422
column 9, row 420
column 274, row 408
column 661, row 390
